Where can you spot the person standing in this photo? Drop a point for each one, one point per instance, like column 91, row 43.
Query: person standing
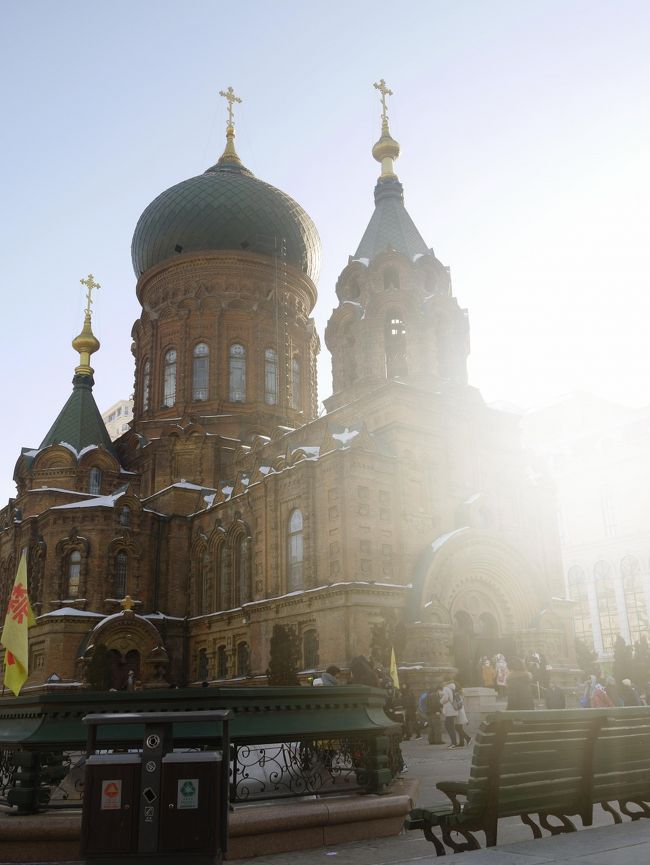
column 462, row 738
column 434, row 715
column 410, row 705
column 629, row 694
column 519, row 686
column 449, row 713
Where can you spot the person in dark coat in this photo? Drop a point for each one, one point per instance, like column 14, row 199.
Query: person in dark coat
column 629, row 694
column 555, row 697
column 361, row 673
column 519, row 690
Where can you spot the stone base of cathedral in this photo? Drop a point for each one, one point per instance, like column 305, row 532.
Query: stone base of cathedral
column 255, row 830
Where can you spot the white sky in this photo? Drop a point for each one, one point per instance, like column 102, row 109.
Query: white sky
column 525, row 137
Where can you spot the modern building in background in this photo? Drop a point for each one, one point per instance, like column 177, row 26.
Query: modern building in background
column 230, row 505
column 117, row 418
column 598, row 454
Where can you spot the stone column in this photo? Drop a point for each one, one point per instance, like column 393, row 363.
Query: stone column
column 623, row 621
column 595, row 617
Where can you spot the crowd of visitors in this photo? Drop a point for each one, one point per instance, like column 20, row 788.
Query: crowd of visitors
column 523, row 683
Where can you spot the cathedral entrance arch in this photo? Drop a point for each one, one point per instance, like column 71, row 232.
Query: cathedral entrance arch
column 488, row 591
column 132, row 648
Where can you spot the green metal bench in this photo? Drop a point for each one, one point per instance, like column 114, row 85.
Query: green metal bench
column 553, row 764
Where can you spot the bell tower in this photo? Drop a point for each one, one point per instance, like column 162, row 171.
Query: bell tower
column 397, row 317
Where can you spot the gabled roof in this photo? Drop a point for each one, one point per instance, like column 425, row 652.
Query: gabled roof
column 390, row 226
column 79, row 422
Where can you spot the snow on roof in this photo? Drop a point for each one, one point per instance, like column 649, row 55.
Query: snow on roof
column 209, row 500
column 440, row 541
column 346, row 436
column 183, row 485
column 96, row 502
column 312, row 451
column 71, row 612
column 265, row 470
column 364, row 261
column 159, row 615
column 45, row 489
column 86, row 449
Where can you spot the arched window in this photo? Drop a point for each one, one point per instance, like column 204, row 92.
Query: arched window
column 577, row 584
column 296, row 384
column 203, row 592
column 73, row 575
column 270, row 376
column 121, row 573
column 200, row 371
column 95, row 480
column 295, row 552
column 146, row 385
column 169, row 378
column 222, row 663
column 395, row 341
column 125, row 516
column 202, row 665
column 391, row 278
column 310, row 649
column 224, row 599
column 242, row 571
column 606, row 597
column 237, row 373
column 243, row 660
column 637, row 615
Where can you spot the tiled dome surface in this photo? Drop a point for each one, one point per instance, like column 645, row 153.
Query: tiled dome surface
column 227, row 207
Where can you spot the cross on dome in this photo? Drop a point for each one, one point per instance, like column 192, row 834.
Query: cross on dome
column 230, row 97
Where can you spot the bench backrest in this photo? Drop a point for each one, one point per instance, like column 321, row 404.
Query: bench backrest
column 559, row 761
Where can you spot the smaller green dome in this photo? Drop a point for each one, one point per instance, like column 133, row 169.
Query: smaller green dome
column 226, row 208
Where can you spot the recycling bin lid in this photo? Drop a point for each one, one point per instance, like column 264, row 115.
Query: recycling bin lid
column 114, row 759
column 192, row 757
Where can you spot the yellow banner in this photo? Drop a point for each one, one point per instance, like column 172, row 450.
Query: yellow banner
column 14, row 634
column 393, row 669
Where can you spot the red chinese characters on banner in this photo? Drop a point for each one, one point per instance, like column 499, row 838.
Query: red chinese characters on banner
column 18, row 604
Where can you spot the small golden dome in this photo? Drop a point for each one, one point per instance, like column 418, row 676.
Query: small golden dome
column 385, row 148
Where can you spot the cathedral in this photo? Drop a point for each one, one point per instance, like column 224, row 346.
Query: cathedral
column 231, row 505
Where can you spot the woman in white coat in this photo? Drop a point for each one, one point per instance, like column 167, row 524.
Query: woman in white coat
column 449, row 713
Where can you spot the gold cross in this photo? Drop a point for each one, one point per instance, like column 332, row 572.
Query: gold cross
column 385, row 91
column 229, row 95
column 90, row 283
column 127, row 603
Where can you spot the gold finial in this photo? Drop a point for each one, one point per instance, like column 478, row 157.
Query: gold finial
column 90, row 283
column 127, row 603
column 230, row 154
column 86, row 343
column 386, row 150
column 385, row 91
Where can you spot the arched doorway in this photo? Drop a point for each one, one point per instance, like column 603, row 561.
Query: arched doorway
column 464, row 646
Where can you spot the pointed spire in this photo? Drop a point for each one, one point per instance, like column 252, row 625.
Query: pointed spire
column 229, row 155
column 86, row 343
column 386, row 150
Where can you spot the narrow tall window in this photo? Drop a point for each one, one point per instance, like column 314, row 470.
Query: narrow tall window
column 296, row 384
column 125, row 516
column 243, row 659
column 169, row 378
column 146, row 385
column 121, row 573
column 607, row 609
column 204, row 583
column 222, row 663
column 395, row 342
column 224, row 601
column 270, row 376
column 637, row 615
column 243, row 572
column 237, row 370
column 310, row 649
column 577, row 584
column 295, row 553
column 95, row 480
column 74, row 574
column 200, row 371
